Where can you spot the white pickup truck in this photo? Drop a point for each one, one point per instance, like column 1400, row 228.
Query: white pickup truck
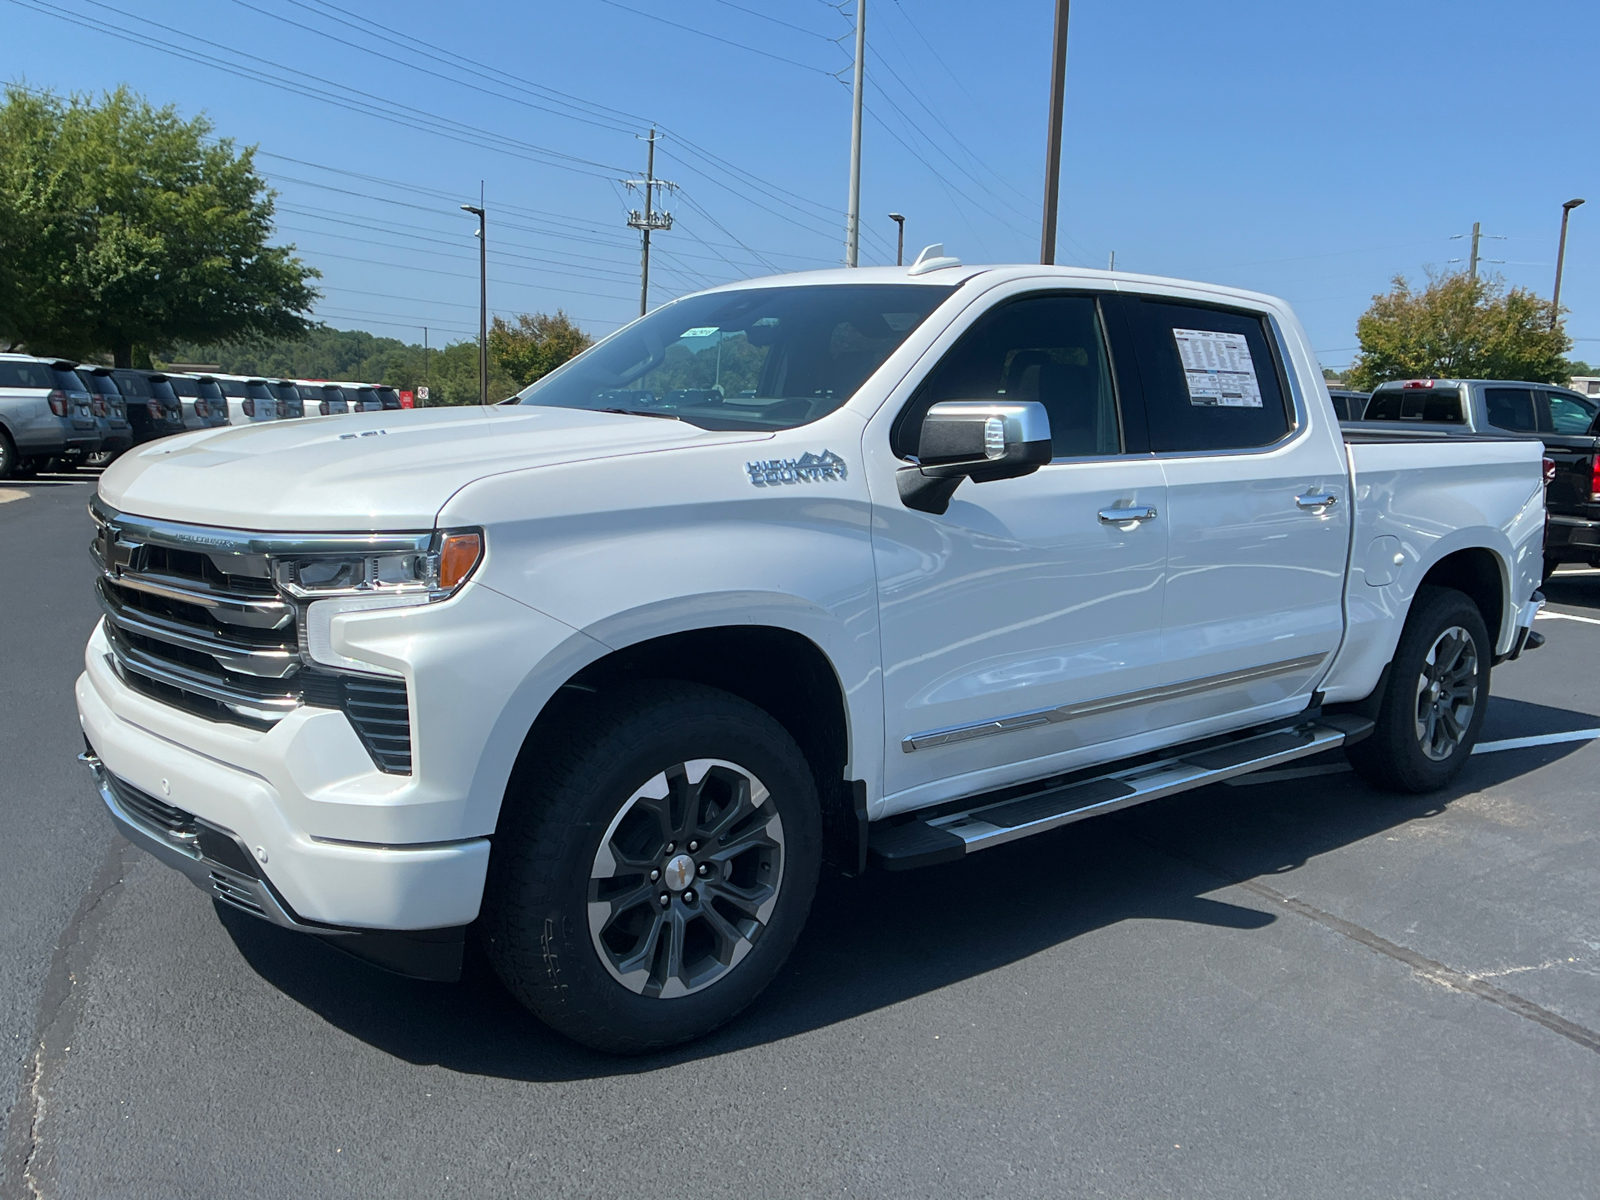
column 873, row 566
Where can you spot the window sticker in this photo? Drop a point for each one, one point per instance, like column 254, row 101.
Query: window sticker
column 1218, row 369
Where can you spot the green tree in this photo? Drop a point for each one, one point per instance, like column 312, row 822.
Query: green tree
column 536, row 345
column 124, row 228
column 1458, row 327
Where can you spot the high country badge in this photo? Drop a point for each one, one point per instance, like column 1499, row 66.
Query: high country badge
column 826, row 467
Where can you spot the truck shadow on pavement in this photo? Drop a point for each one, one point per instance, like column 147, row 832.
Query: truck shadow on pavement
column 884, row 938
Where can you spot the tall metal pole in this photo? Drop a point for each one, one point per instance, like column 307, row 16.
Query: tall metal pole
column 483, row 295
column 1561, row 258
column 649, row 196
column 649, row 220
column 900, row 241
column 852, row 219
column 426, row 382
column 1052, row 170
column 1472, row 262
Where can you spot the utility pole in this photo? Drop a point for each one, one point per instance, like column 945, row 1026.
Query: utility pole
column 1052, row 169
column 425, row 381
column 852, row 216
column 1472, row 263
column 900, row 242
column 649, row 220
column 483, row 295
column 1561, row 258
column 1111, row 263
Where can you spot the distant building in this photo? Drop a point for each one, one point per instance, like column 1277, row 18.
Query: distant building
column 1589, row 385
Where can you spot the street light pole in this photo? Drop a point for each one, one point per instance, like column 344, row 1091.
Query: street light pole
column 900, row 242
column 483, row 296
column 1561, row 257
column 1052, row 169
column 852, row 218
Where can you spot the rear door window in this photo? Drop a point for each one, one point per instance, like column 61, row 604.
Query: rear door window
column 1563, row 412
column 1511, row 409
column 209, row 390
column 1211, row 377
column 68, row 381
column 187, row 388
column 161, row 389
column 1045, row 348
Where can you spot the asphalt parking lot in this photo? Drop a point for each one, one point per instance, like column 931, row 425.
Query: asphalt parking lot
column 1290, row 987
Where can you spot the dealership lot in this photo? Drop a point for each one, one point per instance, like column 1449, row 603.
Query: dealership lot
column 1295, row 986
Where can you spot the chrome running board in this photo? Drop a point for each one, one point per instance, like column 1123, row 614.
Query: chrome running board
column 997, row 818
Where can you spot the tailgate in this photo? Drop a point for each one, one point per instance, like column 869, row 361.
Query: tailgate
column 1570, row 495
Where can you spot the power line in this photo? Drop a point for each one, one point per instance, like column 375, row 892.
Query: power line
column 385, row 110
column 639, row 12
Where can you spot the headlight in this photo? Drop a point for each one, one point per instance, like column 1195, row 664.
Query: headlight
column 407, row 576
column 335, row 583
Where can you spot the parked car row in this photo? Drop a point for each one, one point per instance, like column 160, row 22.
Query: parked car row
column 56, row 413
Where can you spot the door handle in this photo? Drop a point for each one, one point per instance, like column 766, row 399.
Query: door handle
column 1316, row 500
column 1124, row 516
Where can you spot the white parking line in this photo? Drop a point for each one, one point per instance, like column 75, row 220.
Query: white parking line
column 1546, row 615
column 1517, row 743
column 1542, row 739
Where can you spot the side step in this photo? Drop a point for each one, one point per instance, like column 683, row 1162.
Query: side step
column 986, row 822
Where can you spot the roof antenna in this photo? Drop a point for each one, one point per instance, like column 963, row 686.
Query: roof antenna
column 932, row 258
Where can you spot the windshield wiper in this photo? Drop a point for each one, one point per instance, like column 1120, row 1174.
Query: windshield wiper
column 640, row 412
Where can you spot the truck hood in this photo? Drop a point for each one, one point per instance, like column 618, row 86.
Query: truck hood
column 370, row 471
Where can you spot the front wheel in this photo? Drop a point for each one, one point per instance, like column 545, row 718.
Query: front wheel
column 1435, row 699
column 652, row 871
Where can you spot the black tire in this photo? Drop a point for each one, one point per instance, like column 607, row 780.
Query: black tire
column 619, row 989
column 1425, row 736
column 9, row 463
column 1550, row 566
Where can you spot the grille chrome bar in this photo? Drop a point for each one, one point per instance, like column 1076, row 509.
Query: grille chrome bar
column 188, row 591
column 130, row 657
column 268, row 662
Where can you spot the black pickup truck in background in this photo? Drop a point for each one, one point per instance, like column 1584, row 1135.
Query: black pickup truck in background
column 1568, row 423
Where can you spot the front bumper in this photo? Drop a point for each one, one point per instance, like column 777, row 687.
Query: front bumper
column 345, row 877
column 219, row 863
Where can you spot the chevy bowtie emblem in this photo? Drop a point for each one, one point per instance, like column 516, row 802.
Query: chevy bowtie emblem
column 808, row 468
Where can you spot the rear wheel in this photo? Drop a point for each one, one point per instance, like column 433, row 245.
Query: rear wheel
column 8, row 456
column 1435, row 699
column 652, row 872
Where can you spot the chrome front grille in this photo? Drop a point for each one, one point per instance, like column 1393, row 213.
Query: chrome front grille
column 206, row 630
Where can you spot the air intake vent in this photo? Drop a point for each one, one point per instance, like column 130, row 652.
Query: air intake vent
column 378, row 708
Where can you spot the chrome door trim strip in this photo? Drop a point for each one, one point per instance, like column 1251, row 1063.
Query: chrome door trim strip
column 1086, row 708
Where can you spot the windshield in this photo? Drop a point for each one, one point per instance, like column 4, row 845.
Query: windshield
column 161, row 389
column 209, row 390
column 760, row 358
column 187, row 388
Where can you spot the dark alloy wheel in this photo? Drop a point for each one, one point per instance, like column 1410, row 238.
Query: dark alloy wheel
column 686, row 878
column 1434, row 702
column 655, row 860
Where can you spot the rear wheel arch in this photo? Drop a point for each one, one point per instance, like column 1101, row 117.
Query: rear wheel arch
column 1483, row 576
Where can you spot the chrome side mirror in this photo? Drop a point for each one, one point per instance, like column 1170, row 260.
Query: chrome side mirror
column 980, row 440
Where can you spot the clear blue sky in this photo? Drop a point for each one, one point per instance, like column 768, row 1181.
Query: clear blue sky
column 1308, row 150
